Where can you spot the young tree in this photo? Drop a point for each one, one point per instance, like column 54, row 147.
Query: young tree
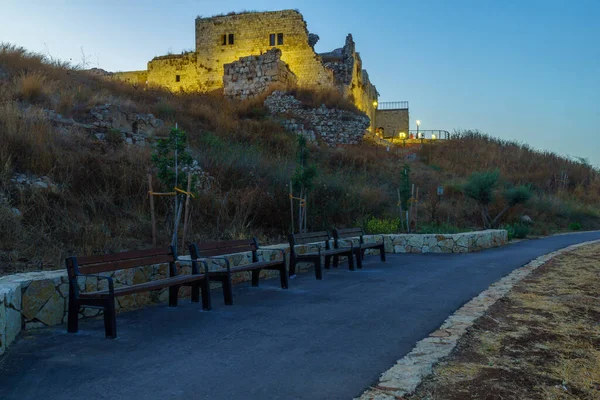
column 483, row 186
column 303, row 177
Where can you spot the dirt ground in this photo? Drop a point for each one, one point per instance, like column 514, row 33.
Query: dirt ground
column 542, row 341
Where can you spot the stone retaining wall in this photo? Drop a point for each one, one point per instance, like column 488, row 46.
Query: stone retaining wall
column 330, row 125
column 37, row 299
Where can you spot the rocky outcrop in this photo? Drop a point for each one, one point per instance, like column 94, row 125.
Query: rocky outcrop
column 331, row 126
column 133, row 128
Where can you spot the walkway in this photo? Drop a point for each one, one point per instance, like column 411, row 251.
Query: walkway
column 327, row 339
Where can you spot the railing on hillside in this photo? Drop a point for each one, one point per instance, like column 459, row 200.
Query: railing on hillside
column 422, row 134
column 393, row 105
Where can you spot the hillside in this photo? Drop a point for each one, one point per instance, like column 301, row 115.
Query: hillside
column 72, row 184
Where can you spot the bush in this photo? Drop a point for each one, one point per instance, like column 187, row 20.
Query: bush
column 382, row 226
column 517, row 231
column 575, row 226
column 440, row 228
column 32, row 87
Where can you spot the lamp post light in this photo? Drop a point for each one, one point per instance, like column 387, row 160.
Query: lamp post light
column 418, row 123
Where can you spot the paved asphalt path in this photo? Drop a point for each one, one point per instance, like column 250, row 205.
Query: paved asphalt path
column 327, row 339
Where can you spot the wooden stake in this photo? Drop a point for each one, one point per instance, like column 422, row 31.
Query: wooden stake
column 292, row 205
column 416, row 209
column 400, row 209
column 187, row 209
column 152, row 216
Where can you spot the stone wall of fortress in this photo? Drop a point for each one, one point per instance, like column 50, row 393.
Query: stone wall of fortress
column 223, row 40
column 252, row 36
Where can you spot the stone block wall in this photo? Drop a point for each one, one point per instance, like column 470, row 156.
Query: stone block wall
column 37, row 299
column 177, row 72
column 251, row 32
column 392, row 121
column 351, row 79
column 331, row 126
column 252, row 75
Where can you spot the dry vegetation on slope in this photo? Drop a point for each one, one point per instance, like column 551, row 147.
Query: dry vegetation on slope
column 100, row 203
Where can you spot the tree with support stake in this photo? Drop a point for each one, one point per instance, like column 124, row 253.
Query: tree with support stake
column 303, row 177
column 173, row 161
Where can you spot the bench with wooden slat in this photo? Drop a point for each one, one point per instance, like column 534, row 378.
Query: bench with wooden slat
column 91, row 266
column 344, row 235
column 315, row 257
column 216, row 250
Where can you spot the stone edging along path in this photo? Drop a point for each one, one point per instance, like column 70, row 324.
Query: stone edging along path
column 38, row 299
column 408, row 372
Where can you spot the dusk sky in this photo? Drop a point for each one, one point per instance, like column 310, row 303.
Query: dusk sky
column 526, row 70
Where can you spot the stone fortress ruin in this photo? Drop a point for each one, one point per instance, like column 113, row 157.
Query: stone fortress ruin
column 245, row 54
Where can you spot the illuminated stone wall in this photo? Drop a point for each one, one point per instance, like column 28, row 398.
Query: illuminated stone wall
column 351, row 79
column 252, row 75
column 132, row 77
column 251, row 36
column 176, row 72
column 223, row 40
column 392, row 121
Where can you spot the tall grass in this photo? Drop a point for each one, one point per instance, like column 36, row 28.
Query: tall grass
column 100, row 201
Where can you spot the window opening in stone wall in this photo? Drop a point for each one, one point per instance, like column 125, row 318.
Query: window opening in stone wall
column 177, row 78
column 280, row 38
column 224, row 40
column 272, row 39
column 231, row 38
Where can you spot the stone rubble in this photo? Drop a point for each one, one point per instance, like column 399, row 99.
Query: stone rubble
column 34, row 182
column 404, row 377
column 332, row 126
column 134, row 128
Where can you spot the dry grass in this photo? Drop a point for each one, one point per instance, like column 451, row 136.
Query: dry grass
column 101, row 204
column 541, row 342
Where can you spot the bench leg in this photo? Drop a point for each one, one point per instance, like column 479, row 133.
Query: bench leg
column 292, row 266
column 110, row 319
column 327, row 262
column 318, row 269
column 336, row 261
column 227, row 290
column 173, row 294
column 358, row 254
column 73, row 318
column 351, row 261
column 206, row 302
column 283, row 276
column 195, row 292
column 382, row 253
column 255, row 276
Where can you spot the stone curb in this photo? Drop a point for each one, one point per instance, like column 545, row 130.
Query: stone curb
column 408, row 372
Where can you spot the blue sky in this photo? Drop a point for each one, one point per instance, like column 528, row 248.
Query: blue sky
column 526, row 70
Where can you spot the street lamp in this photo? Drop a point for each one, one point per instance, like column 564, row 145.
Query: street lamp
column 418, row 123
column 375, row 104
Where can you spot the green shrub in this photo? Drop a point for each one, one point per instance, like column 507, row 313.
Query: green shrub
column 382, row 225
column 440, row 228
column 517, row 231
column 575, row 226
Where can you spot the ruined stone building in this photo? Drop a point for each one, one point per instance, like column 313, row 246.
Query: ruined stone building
column 231, row 54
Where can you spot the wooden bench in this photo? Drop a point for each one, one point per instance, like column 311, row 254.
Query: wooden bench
column 315, row 257
column 212, row 251
column 343, row 235
column 92, row 266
